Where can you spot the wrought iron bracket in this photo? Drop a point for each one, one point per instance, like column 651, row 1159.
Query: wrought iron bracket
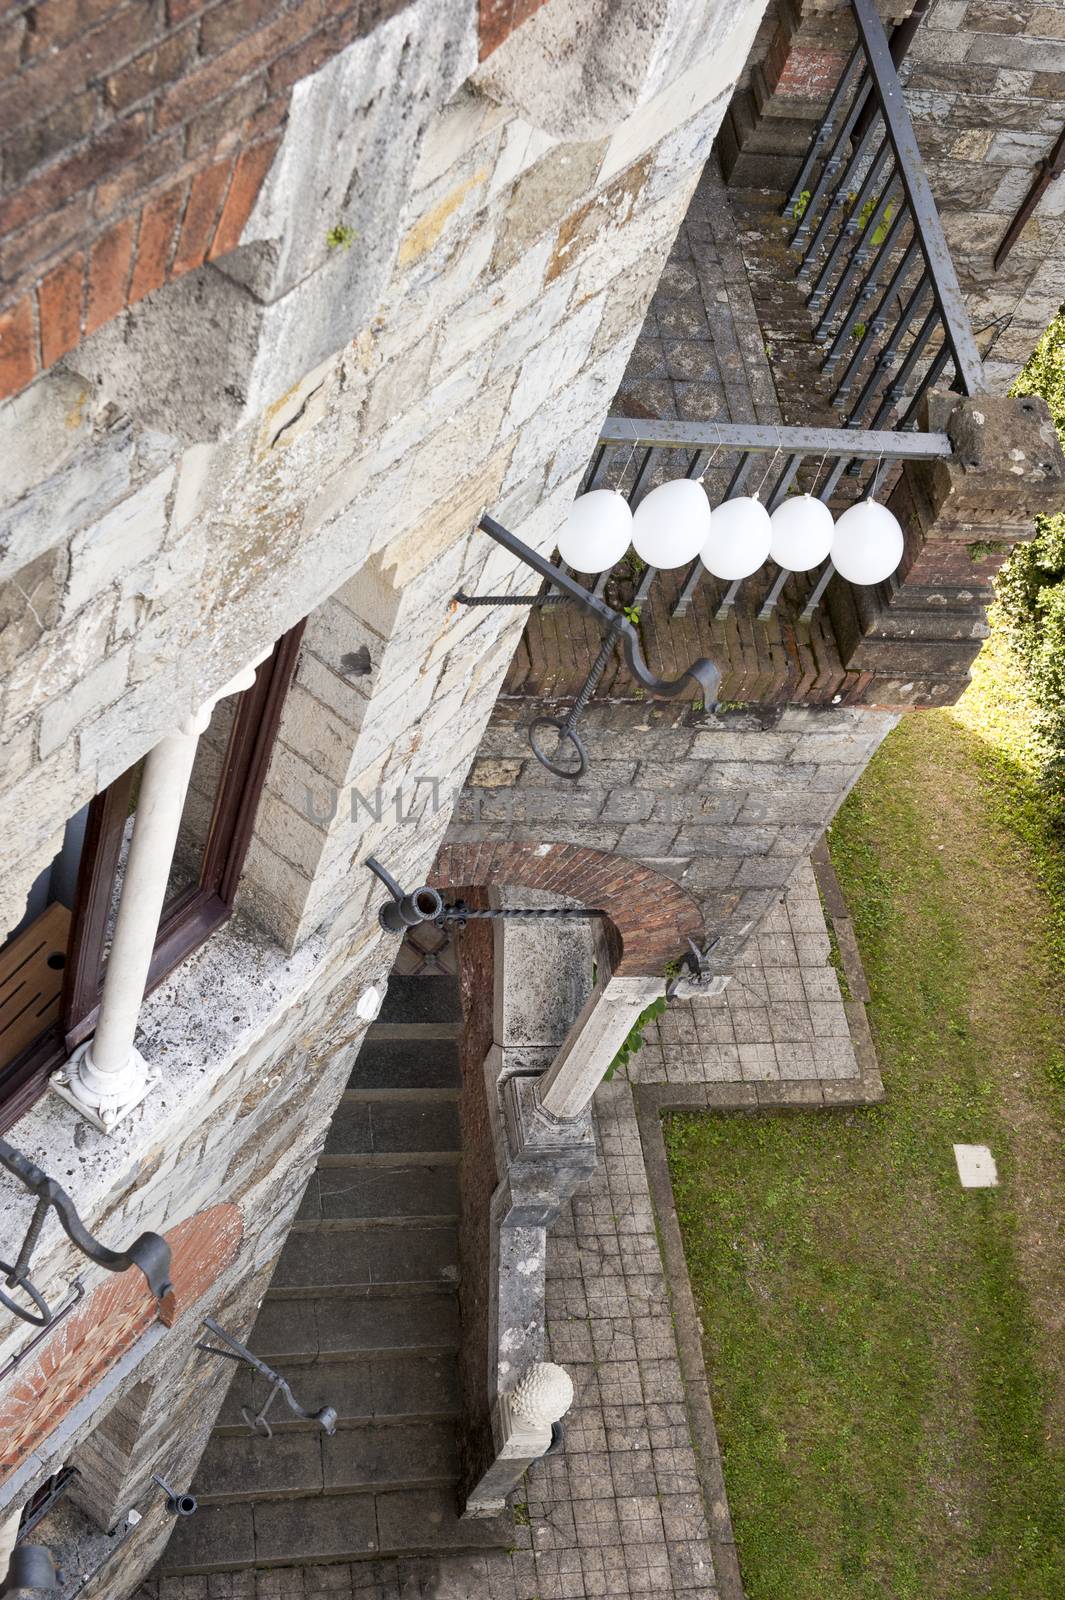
column 695, row 968
column 326, row 1417
column 149, row 1252
column 458, row 913
column 404, row 911
column 617, row 630
column 177, row 1505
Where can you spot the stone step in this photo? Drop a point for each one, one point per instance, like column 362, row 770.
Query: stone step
column 402, row 1192
column 420, row 999
column 361, row 1389
column 345, row 1324
column 392, row 1127
column 404, row 1063
column 333, row 1528
column 314, row 1259
column 299, row 1464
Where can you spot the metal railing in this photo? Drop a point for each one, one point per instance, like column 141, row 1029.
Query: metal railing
column 875, row 260
column 759, row 459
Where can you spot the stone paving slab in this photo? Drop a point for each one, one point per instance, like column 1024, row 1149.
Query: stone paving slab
column 781, row 1019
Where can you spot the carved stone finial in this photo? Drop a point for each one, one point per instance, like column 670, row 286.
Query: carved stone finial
column 543, row 1395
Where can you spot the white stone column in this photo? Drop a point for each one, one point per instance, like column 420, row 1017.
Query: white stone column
column 600, row 1030
column 107, row 1077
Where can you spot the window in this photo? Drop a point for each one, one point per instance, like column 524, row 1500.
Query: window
column 52, row 965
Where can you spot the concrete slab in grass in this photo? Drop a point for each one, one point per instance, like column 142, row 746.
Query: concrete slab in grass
column 976, row 1166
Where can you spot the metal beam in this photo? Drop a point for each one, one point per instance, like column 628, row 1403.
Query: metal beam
column 864, row 443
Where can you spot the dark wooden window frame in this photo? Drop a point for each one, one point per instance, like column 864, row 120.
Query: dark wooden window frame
column 196, row 913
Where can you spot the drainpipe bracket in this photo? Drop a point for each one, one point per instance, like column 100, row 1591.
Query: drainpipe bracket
column 104, row 1099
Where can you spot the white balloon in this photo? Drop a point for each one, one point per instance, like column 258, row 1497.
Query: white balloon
column 868, row 543
column 671, row 524
column 740, row 532
column 597, row 531
column 802, row 530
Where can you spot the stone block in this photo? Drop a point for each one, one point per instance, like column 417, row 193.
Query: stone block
column 101, row 686
column 127, row 536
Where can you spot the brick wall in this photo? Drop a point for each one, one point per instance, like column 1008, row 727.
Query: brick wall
column 135, row 137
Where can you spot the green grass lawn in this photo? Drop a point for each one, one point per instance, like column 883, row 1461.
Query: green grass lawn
column 885, row 1350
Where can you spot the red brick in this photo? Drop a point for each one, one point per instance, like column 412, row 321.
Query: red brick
column 155, row 242
column 163, row 64
column 56, row 22
column 67, row 125
column 248, row 175
column 266, row 120
column 53, row 77
column 44, row 242
column 109, row 265
column 161, row 163
column 226, row 23
column 116, row 145
column 217, row 129
column 222, row 74
column 59, row 301
column 18, row 347
column 180, row 10
column 201, row 213
column 498, row 18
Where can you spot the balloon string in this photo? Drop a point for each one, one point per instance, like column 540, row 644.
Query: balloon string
column 713, row 454
column 876, row 476
column 628, row 464
column 770, row 467
column 820, row 469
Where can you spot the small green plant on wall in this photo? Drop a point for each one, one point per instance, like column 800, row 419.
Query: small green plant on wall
column 340, row 237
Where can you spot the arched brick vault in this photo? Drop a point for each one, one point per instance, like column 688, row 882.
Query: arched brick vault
column 653, row 915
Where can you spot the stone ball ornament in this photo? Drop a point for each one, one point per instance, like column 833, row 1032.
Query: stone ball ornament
column 671, row 524
column 597, row 531
column 867, row 544
column 802, row 532
column 543, row 1394
column 740, row 535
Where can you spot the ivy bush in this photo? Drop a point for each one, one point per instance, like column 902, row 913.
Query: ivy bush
column 1031, row 586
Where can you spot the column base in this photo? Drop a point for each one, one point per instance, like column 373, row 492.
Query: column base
column 104, row 1098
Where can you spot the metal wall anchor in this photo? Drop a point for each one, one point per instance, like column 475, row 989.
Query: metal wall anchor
column 695, row 968
column 404, row 911
column 149, row 1251
column 235, row 1351
column 30, row 1571
column 703, row 674
column 177, row 1505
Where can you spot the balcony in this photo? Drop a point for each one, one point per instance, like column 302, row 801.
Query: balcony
column 793, row 345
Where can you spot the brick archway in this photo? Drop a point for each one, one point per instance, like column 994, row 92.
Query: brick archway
column 653, row 916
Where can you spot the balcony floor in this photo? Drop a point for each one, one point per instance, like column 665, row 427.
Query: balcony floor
column 727, row 336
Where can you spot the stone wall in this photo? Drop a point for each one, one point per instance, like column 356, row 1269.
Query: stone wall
column 727, row 806
column 318, row 441
column 137, row 137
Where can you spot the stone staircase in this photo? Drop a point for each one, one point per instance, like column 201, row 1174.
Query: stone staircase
column 362, row 1314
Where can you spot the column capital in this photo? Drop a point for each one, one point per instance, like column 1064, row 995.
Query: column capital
column 196, row 722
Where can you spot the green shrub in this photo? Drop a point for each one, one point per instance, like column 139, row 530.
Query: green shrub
column 1031, row 586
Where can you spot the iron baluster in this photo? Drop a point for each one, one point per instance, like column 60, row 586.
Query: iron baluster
column 863, row 250
column 326, row 1416
column 877, row 324
column 149, row 1252
column 835, row 160
column 946, row 290
column 784, row 482
column 844, row 87
column 851, row 225
column 897, row 387
column 806, row 615
column 886, row 355
column 935, row 371
column 865, row 293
